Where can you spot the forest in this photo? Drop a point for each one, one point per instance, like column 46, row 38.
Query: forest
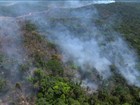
column 44, row 78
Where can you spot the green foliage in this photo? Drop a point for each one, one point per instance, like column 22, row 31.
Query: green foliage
column 125, row 23
column 39, row 61
column 24, row 67
column 52, row 89
column 40, row 50
column 42, row 101
column 18, row 85
column 30, row 27
column 55, row 66
column 126, row 104
column 73, row 102
column 2, row 84
column 51, row 45
column 57, row 90
column 4, row 62
column 61, row 85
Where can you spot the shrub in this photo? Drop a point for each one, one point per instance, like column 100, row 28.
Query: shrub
column 2, row 84
column 30, row 27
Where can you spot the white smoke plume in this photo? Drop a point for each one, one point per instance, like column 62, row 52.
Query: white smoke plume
column 11, row 42
column 95, row 51
column 79, row 40
column 92, row 49
column 78, row 3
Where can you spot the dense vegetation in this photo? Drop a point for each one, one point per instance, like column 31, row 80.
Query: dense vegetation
column 126, row 20
column 49, row 83
column 50, row 79
column 53, row 87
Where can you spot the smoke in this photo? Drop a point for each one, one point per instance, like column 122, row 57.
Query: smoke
column 93, row 49
column 60, row 3
column 10, row 35
column 78, row 3
column 12, row 55
column 89, row 47
column 72, row 27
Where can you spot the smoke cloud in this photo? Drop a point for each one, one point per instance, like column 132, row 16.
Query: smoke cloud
column 91, row 48
column 94, row 49
column 72, row 27
column 10, row 35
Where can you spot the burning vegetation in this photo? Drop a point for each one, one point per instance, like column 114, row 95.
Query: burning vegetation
column 71, row 56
